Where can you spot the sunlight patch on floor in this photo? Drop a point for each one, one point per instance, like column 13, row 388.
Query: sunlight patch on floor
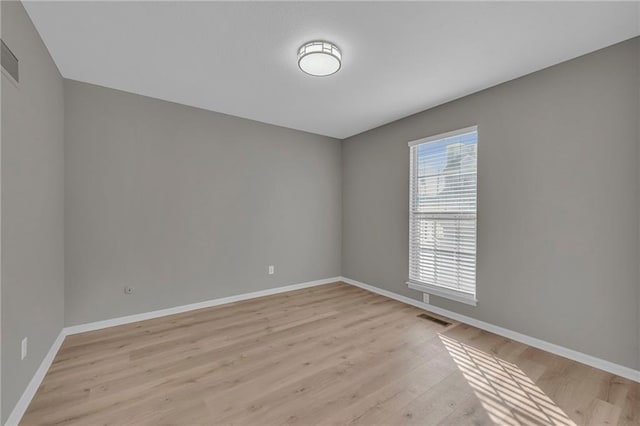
column 505, row 391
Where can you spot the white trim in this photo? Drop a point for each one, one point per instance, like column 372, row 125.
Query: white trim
column 458, row 296
column 445, row 135
column 82, row 328
column 415, row 270
column 24, row 401
column 28, row 394
column 574, row 355
column 34, row 384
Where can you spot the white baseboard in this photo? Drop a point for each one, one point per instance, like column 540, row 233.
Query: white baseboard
column 34, row 384
column 82, row 328
column 618, row 370
column 28, row 394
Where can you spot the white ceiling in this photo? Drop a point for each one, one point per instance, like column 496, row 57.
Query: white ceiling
column 239, row 58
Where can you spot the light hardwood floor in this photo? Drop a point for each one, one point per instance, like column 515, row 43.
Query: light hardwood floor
column 333, row 354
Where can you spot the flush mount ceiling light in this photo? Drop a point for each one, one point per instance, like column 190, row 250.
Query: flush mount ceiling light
column 319, row 58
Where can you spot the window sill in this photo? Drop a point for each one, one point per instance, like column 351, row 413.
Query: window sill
column 446, row 293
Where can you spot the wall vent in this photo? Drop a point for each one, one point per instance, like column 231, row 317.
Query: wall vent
column 434, row 319
column 9, row 62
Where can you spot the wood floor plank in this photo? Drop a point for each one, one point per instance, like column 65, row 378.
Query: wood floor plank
column 329, row 355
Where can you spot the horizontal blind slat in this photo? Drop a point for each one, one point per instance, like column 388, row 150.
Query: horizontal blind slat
column 442, row 212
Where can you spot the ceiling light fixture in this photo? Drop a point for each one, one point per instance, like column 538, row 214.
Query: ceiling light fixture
column 319, row 58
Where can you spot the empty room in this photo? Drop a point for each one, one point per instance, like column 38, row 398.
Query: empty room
column 320, row 213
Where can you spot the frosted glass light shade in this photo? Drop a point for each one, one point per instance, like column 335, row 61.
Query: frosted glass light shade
column 319, row 58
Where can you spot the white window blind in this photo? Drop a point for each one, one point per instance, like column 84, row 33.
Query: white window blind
column 442, row 215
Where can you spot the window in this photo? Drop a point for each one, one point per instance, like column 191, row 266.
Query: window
column 442, row 215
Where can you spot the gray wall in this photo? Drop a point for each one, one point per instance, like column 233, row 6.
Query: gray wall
column 32, row 205
column 187, row 205
column 557, row 203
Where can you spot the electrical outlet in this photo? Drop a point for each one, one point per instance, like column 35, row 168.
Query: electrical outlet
column 425, row 298
column 25, row 342
column 128, row 290
column 272, row 269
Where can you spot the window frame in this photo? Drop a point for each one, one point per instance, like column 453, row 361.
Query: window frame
column 441, row 291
